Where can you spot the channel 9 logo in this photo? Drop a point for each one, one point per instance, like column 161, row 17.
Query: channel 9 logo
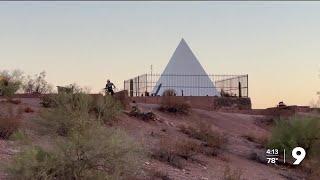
column 273, row 156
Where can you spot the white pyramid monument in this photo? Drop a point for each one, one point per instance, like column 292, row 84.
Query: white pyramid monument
column 185, row 75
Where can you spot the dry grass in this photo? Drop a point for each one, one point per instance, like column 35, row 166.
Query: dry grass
column 9, row 123
column 230, row 174
column 175, row 151
column 256, row 139
column 203, row 132
column 157, row 174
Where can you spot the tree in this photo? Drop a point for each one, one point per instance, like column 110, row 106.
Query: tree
column 37, row 84
column 10, row 82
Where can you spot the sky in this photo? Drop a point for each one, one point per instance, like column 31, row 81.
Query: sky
column 275, row 43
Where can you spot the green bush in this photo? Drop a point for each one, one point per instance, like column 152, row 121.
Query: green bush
column 10, row 89
column 34, row 163
column 107, row 152
column 70, row 112
column 10, row 82
column 83, row 147
column 95, row 152
column 74, row 111
column 106, row 108
column 20, row 136
column 302, row 132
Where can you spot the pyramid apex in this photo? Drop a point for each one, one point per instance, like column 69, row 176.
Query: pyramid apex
column 183, row 43
column 182, row 40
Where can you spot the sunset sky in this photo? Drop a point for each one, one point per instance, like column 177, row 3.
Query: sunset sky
column 276, row 43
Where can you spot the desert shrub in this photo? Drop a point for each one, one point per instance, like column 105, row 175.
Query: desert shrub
column 47, row 101
column 203, row 132
column 169, row 104
column 94, row 153
column 175, row 107
column 21, row 136
column 110, row 150
column 175, row 151
column 9, row 123
column 34, row 163
column 169, row 92
column 145, row 116
column 10, row 82
column 166, row 153
column 106, row 108
column 84, row 147
column 70, row 112
column 37, row 84
column 157, row 174
column 186, row 148
column 230, row 174
column 302, row 132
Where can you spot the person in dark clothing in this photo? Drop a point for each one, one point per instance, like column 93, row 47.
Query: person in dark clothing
column 109, row 87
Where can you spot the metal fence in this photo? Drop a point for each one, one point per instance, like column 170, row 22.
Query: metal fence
column 225, row 85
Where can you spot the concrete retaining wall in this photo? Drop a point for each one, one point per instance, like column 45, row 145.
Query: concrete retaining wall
column 201, row 102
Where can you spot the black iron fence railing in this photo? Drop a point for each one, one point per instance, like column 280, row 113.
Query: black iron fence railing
column 225, row 85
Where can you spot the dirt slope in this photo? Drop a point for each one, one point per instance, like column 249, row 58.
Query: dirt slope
column 236, row 154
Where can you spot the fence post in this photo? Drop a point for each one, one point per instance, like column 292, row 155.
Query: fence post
column 239, row 86
column 198, row 84
column 146, row 84
column 138, row 91
column 247, row 85
column 131, row 87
